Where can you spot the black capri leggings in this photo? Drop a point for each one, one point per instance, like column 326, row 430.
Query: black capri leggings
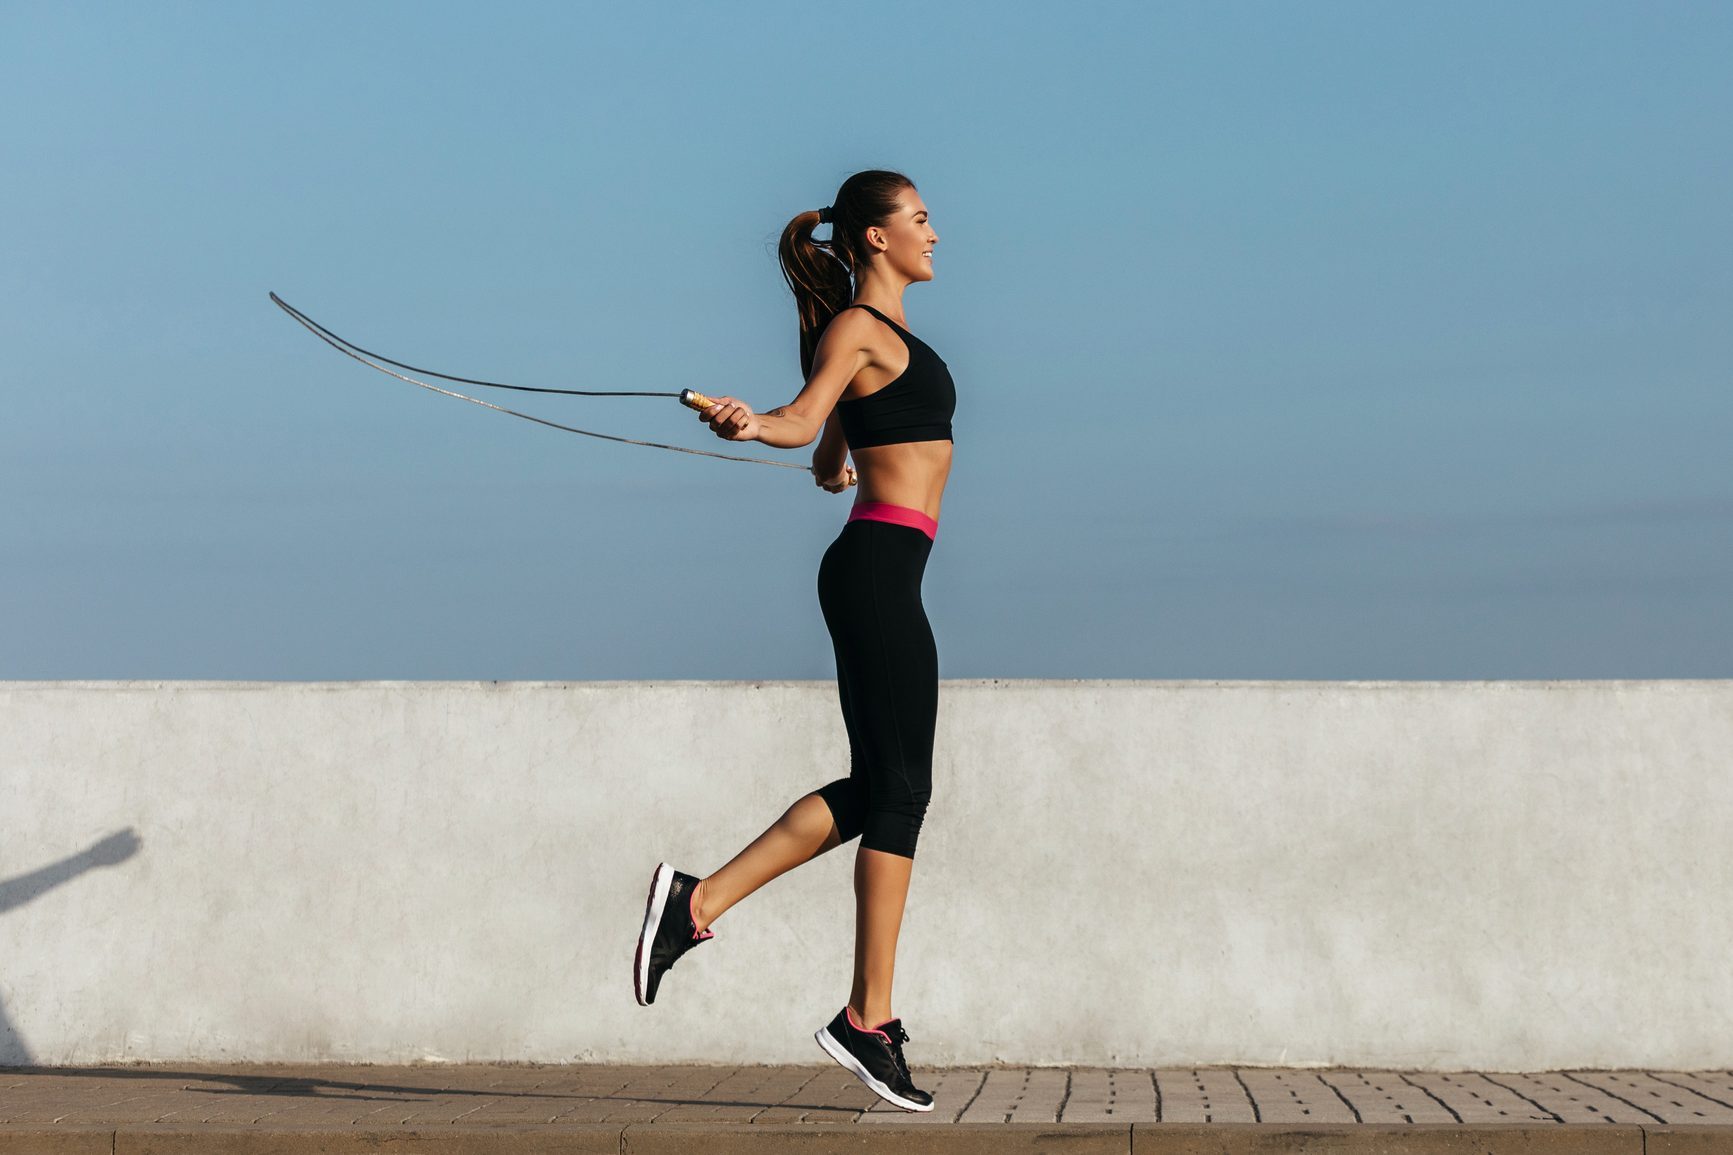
column 887, row 673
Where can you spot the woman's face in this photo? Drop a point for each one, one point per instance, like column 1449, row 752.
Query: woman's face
column 908, row 238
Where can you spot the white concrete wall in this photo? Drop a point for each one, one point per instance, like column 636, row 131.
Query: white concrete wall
column 1441, row 875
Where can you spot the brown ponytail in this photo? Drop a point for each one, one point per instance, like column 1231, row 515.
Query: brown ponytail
column 821, row 273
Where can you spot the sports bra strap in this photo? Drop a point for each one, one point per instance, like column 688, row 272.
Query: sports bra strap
column 874, row 312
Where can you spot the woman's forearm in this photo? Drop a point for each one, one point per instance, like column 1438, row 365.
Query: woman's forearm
column 785, row 429
column 827, row 461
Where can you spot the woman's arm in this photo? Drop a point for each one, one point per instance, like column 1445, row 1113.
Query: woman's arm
column 842, row 352
column 832, row 451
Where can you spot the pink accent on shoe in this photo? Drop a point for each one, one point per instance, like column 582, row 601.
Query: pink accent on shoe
column 896, row 515
column 854, row 1022
column 697, row 935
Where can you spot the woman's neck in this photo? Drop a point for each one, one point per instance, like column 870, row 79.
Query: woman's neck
column 882, row 294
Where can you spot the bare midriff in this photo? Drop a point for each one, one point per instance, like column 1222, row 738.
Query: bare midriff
column 909, row 473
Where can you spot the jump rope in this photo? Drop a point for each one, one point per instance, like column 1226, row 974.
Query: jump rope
column 688, row 397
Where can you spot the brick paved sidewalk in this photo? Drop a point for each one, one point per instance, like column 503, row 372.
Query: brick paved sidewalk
column 604, row 1107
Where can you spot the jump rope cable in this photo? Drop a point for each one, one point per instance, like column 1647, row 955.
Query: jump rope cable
column 688, row 397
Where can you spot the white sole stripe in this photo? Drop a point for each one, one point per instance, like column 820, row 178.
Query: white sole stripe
column 840, row 1053
column 664, row 878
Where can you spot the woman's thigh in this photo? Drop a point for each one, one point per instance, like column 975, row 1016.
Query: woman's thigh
column 887, row 660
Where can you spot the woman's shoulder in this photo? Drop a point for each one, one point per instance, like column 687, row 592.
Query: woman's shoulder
column 854, row 322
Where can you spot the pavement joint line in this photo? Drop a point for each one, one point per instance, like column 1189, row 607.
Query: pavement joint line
column 1573, row 1077
column 1427, row 1091
column 1691, row 1090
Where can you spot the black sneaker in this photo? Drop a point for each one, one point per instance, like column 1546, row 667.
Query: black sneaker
column 875, row 1055
column 670, row 930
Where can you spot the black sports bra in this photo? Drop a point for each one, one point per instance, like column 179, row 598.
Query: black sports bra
column 917, row 405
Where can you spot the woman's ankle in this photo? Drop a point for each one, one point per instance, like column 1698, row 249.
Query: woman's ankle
column 869, row 1021
column 701, row 920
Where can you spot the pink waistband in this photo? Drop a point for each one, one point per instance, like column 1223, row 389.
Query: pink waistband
column 896, row 515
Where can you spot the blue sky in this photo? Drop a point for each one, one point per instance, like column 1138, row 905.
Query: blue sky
column 1291, row 341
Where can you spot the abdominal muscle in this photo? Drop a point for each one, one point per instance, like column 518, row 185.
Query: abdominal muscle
column 909, row 473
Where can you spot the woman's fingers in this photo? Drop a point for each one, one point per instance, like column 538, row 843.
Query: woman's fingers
column 726, row 418
column 838, row 483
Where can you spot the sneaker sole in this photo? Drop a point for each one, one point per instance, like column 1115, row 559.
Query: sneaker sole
column 653, row 907
column 840, row 1053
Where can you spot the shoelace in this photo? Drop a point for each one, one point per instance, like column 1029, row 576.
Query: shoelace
column 897, row 1040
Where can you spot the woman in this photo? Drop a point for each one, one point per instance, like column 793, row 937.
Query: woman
column 878, row 391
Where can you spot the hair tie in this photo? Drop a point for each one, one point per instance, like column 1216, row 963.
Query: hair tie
column 824, row 215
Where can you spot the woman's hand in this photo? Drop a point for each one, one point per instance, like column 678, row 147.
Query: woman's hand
column 838, row 483
column 731, row 419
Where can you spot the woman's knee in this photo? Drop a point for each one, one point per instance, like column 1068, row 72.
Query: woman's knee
column 895, row 826
column 846, row 803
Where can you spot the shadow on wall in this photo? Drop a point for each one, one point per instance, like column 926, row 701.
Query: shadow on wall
column 15, row 892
